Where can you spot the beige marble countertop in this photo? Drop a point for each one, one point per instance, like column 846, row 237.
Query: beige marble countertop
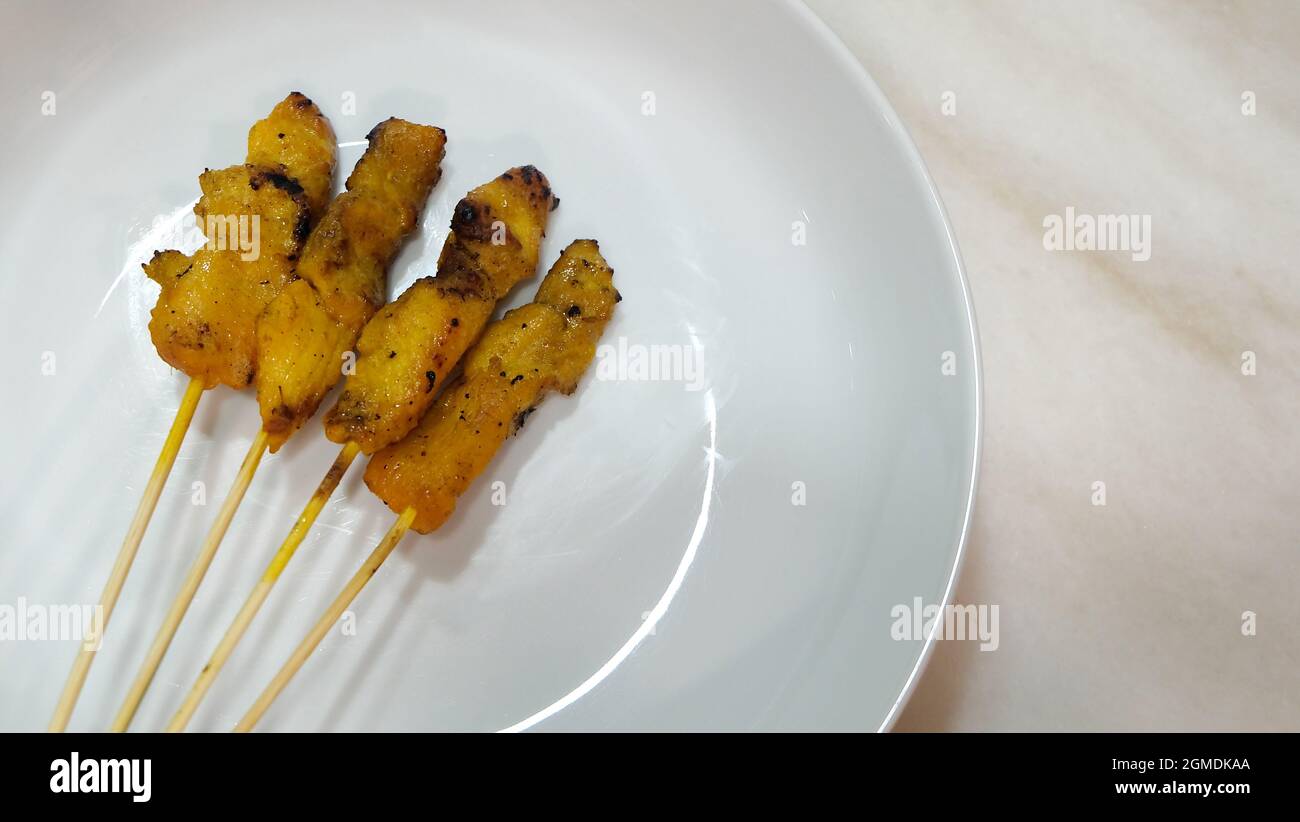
column 1100, row 368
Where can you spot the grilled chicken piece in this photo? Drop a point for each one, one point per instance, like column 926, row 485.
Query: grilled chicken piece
column 297, row 139
column 540, row 347
column 411, row 345
column 256, row 217
column 305, row 331
column 204, row 320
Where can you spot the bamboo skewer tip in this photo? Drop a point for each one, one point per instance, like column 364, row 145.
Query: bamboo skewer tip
column 191, row 583
column 126, row 554
column 263, row 588
column 327, row 620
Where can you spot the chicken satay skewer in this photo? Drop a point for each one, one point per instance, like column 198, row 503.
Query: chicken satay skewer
column 541, row 347
column 493, row 244
column 279, row 190
column 304, row 332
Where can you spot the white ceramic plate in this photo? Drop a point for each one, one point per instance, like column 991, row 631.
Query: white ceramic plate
column 651, row 567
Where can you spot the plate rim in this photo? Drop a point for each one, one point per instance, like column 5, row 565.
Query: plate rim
column 868, row 86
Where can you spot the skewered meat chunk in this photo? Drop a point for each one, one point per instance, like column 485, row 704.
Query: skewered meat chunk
column 409, row 347
column 256, row 218
column 300, row 346
column 204, row 320
column 305, row 331
column 297, row 139
column 540, row 347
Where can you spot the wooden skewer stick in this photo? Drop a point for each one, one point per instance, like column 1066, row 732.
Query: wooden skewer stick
column 191, row 584
column 327, row 620
column 254, row 603
column 143, row 512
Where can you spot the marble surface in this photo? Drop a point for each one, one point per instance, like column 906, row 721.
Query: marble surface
column 1100, row 368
